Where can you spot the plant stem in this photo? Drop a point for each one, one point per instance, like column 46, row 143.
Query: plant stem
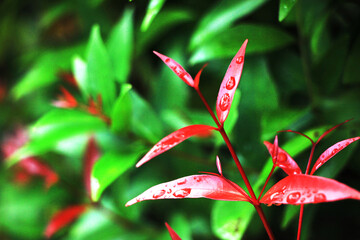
column 300, row 221
column 255, row 202
column 266, row 182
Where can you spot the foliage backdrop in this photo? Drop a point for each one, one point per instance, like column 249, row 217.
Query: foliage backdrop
column 301, row 73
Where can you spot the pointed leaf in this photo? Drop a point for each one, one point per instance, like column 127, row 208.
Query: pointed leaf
column 284, row 160
column 197, row 77
column 151, row 12
column 229, row 84
column 173, row 234
column 218, row 165
column 120, row 46
column 174, row 139
column 332, row 151
column 92, row 154
column 66, row 100
column 177, row 69
column 285, row 7
column 63, row 218
column 303, row 189
column 330, row 130
column 195, row 186
column 121, row 111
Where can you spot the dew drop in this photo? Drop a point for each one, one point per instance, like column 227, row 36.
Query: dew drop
column 282, row 157
column 320, row 197
column 181, row 181
column 225, row 102
column 169, row 191
column 239, row 59
column 230, row 83
column 158, row 194
column 293, row 197
column 167, row 60
column 180, row 135
column 275, row 197
column 302, row 200
column 198, row 179
column 182, row 193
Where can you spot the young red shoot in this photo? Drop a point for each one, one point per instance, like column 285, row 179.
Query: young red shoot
column 63, row 218
column 66, row 100
column 229, row 84
column 92, row 154
column 177, row 69
column 173, row 234
column 197, row 77
column 174, row 139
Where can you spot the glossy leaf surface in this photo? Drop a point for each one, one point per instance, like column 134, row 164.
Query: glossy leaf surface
column 303, row 189
column 173, row 234
column 177, row 69
column 332, row 151
column 151, row 12
column 195, row 186
column 285, row 7
column 63, row 218
column 229, row 84
column 92, row 154
column 284, row 160
column 174, row 139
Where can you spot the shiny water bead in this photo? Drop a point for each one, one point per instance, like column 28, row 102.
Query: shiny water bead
column 230, row 84
column 225, row 102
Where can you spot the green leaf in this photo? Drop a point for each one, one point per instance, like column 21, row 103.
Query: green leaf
column 164, row 21
column 151, row 12
column 221, row 17
column 230, row 219
column 352, row 70
column 290, row 212
column 182, row 226
column 262, row 38
column 120, row 46
column 144, row 121
column 44, row 71
column 79, row 70
column 121, row 112
column 109, row 167
column 285, row 7
column 57, row 125
column 100, row 79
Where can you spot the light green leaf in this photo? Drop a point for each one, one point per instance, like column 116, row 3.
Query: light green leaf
column 100, row 78
column 121, row 112
column 144, row 121
column 151, row 12
column 262, row 39
column 285, row 8
column 79, row 70
column 229, row 219
column 120, row 46
column 109, row 167
column 221, row 17
column 44, row 71
column 55, row 126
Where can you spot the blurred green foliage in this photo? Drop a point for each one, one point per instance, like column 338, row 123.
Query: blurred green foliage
column 301, row 72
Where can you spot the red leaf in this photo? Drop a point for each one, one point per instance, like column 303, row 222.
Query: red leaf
column 172, row 233
column 36, row 168
column 330, row 130
column 174, row 139
column 218, row 165
column 177, row 69
column 195, row 186
column 197, row 77
column 92, row 154
column 284, row 161
column 63, row 218
column 66, row 100
column 332, row 151
column 229, row 84
column 68, row 77
column 303, row 189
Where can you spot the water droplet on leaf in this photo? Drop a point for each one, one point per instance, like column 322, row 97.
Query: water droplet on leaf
column 182, row 193
column 230, row 83
column 181, row 181
column 293, row 197
column 225, row 102
column 239, row 59
column 320, row 197
column 158, row 194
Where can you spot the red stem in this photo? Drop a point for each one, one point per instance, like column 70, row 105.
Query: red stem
column 255, row 202
column 310, row 158
column 300, row 221
column 266, row 182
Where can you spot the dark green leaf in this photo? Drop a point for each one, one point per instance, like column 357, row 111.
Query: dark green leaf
column 151, row 12
column 221, row 17
column 120, row 46
column 262, row 39
column 285, row 8
column 352, row 69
